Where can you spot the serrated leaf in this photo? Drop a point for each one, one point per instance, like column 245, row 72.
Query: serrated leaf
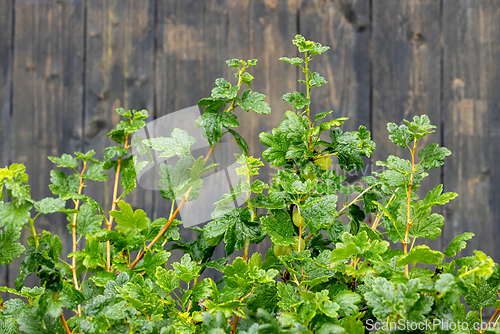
column 178, row 144
column 421, row 254
column 293, row 61
column 457, row 244
column 86, row 220
column 254, row 101
column 128, row 218
column 65, row 161
column 9, row 247
column 432, row 156
column 279, row 227
column 297, row 99
column 50, row 205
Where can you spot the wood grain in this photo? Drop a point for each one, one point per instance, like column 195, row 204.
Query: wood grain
column 47, row 97
column 191, row 54
column 406, row 75
column 119, row 74
column 471, row 80
column 6, row 29
column 264, row 30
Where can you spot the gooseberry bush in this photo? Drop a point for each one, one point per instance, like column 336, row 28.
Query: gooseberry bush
column 328, row 271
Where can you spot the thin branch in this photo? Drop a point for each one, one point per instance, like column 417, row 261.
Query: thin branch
column 167, row 224
column 113, row 206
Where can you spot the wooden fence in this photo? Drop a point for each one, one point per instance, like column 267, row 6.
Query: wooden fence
column 65, row 65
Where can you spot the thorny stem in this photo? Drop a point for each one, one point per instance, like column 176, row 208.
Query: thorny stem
column 168, row 223
column 73, row 232
column 408, row 203
column 113, row 206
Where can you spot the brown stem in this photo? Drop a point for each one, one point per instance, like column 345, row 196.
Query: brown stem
column 65, row 324
column 1, row 305
column 492, row 319
column 73, row 232
column 408, row 203
column 113, row 206
column 167, row 224
column 308, row 237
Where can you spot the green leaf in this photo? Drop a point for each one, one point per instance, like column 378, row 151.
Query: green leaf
column 309, row 46
column 178, row 144
column 322, row 115
column 9, row 248
column 297, row 99
column 128, row 218
column 279, row 226
column 69, row 296
column 421, row 254
column 481, row 295
column 50, row 205
column 457, row 244
column 167, row 279
column 66, row 161
column 86, row 221
column 111, row 151
column 278, row 144
column 401, row 136
column 287, row 296
column 348, row 302
column 436, row 197
column 224, row 90
column 62, row 184
column 14, row 217
column 320, row 212
column 233, row 63
column 186, row 270
column 152, row 262
column 96, row 173
column 258, row 186
column 316, row 80
column 352, row 325
column 141, row 147
column 428, row 227
column 293, row 61
column 242, row 144
column 421, row 125
column 432, row 156
column 253, row 101
column 265, row 297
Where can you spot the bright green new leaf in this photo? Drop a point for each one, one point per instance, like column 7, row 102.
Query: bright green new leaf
column 128, row 218
column 421, row 254
column 457, row 244
column 178, row 144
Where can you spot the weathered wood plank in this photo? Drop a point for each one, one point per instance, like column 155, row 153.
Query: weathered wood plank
column 344, row 26
column 119, row 73
column 406, row 74
column 264, row 30
column 47, row 96
column 471, row 80
column 6, row 29
column 191, row 54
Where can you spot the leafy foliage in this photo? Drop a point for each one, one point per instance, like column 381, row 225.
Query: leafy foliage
column 328, row 271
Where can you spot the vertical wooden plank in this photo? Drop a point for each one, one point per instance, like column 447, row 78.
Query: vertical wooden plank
column 472, row 121
column 119, row 73
column 191, row 54
column 344, row 26
column 406, row 74
column 47, row 96
column 6, row 30
column 264, row 30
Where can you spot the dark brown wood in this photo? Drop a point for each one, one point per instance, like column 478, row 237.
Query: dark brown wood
column 119, row 74
column 191, row 54
column 6, row 29
column 471, row 53
column 264, row 30
column 344, row 26
column 406, row 75
column 47, row 96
